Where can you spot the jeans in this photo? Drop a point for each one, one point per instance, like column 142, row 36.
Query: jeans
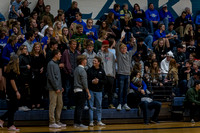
column 97, row 97
column 151, row 26
column 165, row 21
column 55, row 104
column 80, row 98
column 149, row 40
column 146, row 107
column 123, row 87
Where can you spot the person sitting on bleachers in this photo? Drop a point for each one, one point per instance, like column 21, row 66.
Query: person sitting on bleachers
column 192, row 101
column 145, row 102
column 192, row 79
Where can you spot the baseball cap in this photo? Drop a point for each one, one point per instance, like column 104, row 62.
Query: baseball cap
column 170, row 54
column 139, row 20
column 105, row 43
column 165, row 5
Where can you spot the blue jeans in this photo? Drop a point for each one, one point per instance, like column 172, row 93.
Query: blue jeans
column 146, row 107
column 97, row 97
column 149, row 40
column 165, row 21
column 123, row 87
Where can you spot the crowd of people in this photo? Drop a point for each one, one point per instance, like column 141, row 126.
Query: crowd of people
column 70, row 62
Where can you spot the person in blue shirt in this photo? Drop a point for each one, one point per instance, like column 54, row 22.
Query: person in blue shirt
column 166, row 16
column 197, row 22
column 90, row 31
column 9, row 49
column 160, row 33
column 14, row 10
column 189, row 15
column 3, row 37
column 152, row 17
column 116, row 11
column 79, row 20
column 48, row 34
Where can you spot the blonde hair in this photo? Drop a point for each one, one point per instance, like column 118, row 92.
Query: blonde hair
column 11, row 40
column 13, row 65
column 186, row 32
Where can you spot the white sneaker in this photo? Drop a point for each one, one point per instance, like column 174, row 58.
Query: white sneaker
column 192, row 121
column 54, row 125
column 126, row 107
column 115, row 95
column 28, row 109
column 100, row 124
column 86, row 108
column 13, row 128
column 91, row 124
column 23, row 108
column 119, row 107
column 61, row 124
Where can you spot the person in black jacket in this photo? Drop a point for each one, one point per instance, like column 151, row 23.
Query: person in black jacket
column 25, row 77
column 96, row 79
column 70, row 13
column 180, row 24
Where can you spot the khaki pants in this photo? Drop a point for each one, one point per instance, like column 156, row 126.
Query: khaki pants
column 180, row 30
column 55, row 103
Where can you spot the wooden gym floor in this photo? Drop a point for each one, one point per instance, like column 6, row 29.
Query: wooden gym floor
column 163, row 127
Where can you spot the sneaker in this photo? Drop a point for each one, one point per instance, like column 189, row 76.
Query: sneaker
column 192, row 121
column 28, row 109
column 100, row 124
column 105, row 96
column 1, row 123
column 91, row 124
column 80, row 126
column 115, row 95
column 64, row 108
column 126, row 107
column 111, row 106
column 23, row 108
column 76, row 125
column 13, row 128
column 54, row 125
column 86, row 107
column 119, row 107
column 61, row 124
column 72, row 107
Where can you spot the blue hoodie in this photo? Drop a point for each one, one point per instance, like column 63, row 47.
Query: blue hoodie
column 93, row 38
column 158, row 35
column 7, row 51
column 152, row 15
column 164, row 14
column 144, row 86
column 3, row 42
column 44, row 41
column 197, row 20
column 116, row 14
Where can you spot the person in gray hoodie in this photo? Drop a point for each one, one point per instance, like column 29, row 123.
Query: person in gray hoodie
column 123, row 72
column 108, row 61
column 54, row 84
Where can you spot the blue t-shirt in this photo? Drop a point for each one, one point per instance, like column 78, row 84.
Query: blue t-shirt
column 44, row 41
column 17, row 5
column 3, row 42
column 87, row 31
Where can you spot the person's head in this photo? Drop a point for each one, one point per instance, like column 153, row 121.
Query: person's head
column 82, row 60
column 188, row 64
column 30, row 36
column 187, row 10
column 61, row 16
column 49, row 32
column 74, row 5
column 110, row 16
column 152, row 56
column 56, row 54
column 25, row 3
column 160, row 42
column 161, row 27
column 127, row 17
column 47, row 20
column 79, row 29
column 65, row 31
column 123, row 48
column 112, row 42
column 151, row 6
column 197, row 85
column 33, row 23
column 89, row 22
column 37, row 49
column 196, row 75
column 53, row 44
column 96, row 62
column 35, row 32
column 125, row 7
column 116, row 7
column 13, row 65
column 139, row 22
column 180, row 48
column 154, row 64
column 78, row 16
column 183, row 14
column 170, row 26
column 172, row 63
column 16, row 29
column 170, row 55
column 140, row 41
column 105, row 45
column 22, row 50
column 12, row 40
column 72, row 44
column 192, row 56
column 195, row 65
column 104, row 25
column 191, row 42
column 103, row 35
column 47, row 8
column 40, row 3
column 137, row 57
column 3, row 32
column 136, row 7
column 164, row 7
column 57, row 26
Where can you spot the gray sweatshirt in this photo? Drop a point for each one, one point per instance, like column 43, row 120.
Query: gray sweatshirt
column 108, row 60
column 124, row 60
column 80, row 78
column 53, row 76
column 90, row 57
